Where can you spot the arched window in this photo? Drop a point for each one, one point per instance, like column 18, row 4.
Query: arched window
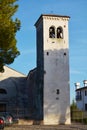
column 3, row 91
column 59, row 32
column 52, row 32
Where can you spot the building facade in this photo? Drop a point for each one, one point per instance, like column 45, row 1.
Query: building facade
column 53, row 68
column 81, row 96
column 13, row 97
column 44, row 94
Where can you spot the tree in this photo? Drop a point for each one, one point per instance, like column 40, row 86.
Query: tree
column 8, row 29
column 73, row 105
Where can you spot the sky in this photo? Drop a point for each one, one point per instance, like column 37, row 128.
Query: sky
column 28, row 13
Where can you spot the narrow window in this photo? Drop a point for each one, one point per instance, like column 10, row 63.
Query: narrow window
column 85, row 92
column 52, row 32
column 59, row 32
column 57, row 91
column 85, row 107
column 47, row 53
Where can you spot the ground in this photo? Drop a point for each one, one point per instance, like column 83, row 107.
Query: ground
column 44, row 127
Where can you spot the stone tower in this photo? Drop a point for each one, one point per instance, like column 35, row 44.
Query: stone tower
column 53, row 68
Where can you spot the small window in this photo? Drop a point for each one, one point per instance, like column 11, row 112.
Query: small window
column 47, row 53
column 52, row 32
column 44, row 72
column 85, row 92
column 59, row 32
column 2, row 107
column 64, row 54
column 57, row 91
column 3, row 91
column 85, row 107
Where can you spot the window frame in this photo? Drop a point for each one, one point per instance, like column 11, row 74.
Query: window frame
column 52, row 33
column 60, row 32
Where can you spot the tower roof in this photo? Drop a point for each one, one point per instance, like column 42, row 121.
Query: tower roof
column 51, row 15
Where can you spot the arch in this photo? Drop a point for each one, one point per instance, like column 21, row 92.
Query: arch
column 52, row 32
column 3, row 91
column 60, row 32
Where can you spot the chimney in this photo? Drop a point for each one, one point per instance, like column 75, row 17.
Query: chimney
column 77, row 85
column 85, row 83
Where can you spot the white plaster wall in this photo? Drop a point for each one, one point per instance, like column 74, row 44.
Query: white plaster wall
column 85, row 97
column 10, row 73
column 56, row 66
column 83, row 101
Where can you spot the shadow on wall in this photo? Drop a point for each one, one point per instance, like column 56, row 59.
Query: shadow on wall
column 23, row 97
column 13, row 96
column 45, row 73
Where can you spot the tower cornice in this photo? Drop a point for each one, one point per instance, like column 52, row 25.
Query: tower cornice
column 52, row 17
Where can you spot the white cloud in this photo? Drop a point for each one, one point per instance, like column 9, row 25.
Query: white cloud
column 75, row 72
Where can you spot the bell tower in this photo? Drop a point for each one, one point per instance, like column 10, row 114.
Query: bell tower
column 53, row 68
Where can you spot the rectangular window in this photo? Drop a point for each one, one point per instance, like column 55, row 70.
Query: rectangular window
column 85, row 92
column 2, row 107
column 57, row 91
column 85, row 107
column 78, row 96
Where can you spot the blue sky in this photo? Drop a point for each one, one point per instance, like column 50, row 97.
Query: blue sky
column 28, row 13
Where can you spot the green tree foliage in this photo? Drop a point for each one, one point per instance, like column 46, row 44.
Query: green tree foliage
column 8, row 29
column 73, row 105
